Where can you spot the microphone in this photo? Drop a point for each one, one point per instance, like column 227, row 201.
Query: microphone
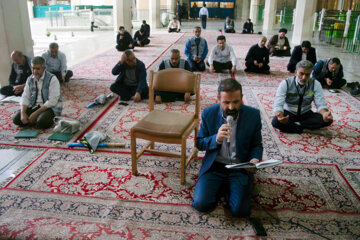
column 229, row 120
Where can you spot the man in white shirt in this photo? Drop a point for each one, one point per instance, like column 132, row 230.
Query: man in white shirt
column 92, row 19
column 41, row 100
column 56, row 63
column 203, row 14
column 174, row 26
column 222, row 57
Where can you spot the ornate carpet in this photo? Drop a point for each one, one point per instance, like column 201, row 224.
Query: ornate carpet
column 71, row 194
column 75, row 194
column 76, row 96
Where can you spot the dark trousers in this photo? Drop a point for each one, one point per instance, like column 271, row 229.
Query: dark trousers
column 44, row 120
column 218, row 66
column 126, row 92
column 67, row 76
column 143, row 42
column 194, row 66
column 93, row 26
column 9, row 91
column 280, row 53
column 203, row 21
column 173, row 30
column 308, row 120
column 170, row 96
column 250, row 67
column 224, row 182
column 123, row 47
column 335, row 84
column 229, row 30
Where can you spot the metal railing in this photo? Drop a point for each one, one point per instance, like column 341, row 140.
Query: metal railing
column 340, row 29
column 76, row 18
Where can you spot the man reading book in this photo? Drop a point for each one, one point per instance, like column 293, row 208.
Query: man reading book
column 225, row 144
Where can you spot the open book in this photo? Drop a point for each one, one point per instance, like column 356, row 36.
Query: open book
column 263, row 164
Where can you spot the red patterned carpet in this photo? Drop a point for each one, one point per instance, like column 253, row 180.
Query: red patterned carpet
column 72, row 194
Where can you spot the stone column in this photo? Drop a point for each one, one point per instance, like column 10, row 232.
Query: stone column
column 15, row 34
column 122, row 15
column 254, row 9
column 269, row 15
column 154, row 14
column 245, row 10
column 303, row 25
column 171, row 6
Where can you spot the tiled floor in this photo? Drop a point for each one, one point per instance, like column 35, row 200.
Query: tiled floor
column 84, row 45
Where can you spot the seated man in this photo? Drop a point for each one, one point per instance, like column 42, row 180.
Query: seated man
column 279, row 45
column 293, row 101
column 301, row 52
column 124, row 40
column 146, row 28
column 248, row 27
column 41, row 100
column 228, row 143
column 196, row 49
column 229, row 25
column 140, row 39
column 257, row 59
column 20, row 71
column 329, row 73
column 131, row 81
column 56, row 63
column 174, row 26
column 222, row 57
column 174, row 62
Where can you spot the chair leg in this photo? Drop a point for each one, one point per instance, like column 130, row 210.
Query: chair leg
column 183, row 161
column 195, row 156
column 133, row 155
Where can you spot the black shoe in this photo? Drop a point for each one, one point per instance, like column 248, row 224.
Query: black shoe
column 351, row 85
column 355, row 91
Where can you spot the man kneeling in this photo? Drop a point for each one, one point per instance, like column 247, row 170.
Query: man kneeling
column 293, row 101
column 228, row 143
column 41, row 100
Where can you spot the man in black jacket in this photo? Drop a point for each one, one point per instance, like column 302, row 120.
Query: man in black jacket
column 248, row 27
column 140, row 39
column 124, row 40
column 20, row 71
column 146, row 28
column 301, row 52
column 257, row 59
column 131, row 80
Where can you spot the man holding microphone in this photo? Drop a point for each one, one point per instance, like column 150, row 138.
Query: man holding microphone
column 225, row 144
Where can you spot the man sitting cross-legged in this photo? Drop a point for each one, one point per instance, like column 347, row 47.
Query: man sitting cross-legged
column 20, row 71
column 41, row 100
column 131, row 80
column 293, row 102
column 56, row 63
column 174, row 62
column 257, row 59
column 196, row 49
column 222, row 57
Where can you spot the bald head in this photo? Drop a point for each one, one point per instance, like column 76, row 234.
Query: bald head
column 262, row 41
column 17, row 57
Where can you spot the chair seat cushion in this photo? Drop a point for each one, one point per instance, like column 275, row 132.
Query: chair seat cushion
column 164, row 124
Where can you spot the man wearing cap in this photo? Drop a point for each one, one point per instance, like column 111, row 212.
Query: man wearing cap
column 279, row 45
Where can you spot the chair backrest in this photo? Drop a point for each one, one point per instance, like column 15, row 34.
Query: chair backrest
column 175, row 80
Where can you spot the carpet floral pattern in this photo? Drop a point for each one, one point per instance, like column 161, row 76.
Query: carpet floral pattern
column 294, row 193
column 74, row 106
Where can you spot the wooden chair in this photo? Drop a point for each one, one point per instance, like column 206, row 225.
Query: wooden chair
column 168, row 127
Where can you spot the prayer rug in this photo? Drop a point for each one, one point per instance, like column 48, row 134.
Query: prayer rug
column 338, row 143
column 79, row 193
column 76, row 96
